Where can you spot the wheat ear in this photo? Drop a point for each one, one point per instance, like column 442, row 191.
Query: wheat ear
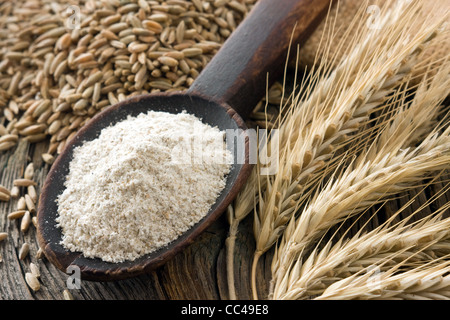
column 387, row 167
column 383, row 247
column 246, row 198
column 336, row 108
column 360, row 188
column 249, row 195
column 430, row 281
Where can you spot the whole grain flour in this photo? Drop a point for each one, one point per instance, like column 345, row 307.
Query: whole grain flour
column 141, row 184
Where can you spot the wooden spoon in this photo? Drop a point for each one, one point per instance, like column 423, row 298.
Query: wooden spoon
column 223, row 95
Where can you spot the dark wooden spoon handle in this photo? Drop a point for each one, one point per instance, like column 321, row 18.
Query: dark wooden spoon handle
column 237, row 74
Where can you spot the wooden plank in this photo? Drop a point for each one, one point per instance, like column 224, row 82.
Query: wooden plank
column 199, row 272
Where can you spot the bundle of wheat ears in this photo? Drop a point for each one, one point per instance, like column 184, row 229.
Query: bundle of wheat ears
column 366, row 123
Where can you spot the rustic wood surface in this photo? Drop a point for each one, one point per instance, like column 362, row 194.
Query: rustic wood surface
column 197, row 273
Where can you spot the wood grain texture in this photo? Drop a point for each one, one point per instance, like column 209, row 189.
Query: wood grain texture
column 236, row 76
column 49, row 236
column 197, row 273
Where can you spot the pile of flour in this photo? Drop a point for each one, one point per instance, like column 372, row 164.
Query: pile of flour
column 141, row 184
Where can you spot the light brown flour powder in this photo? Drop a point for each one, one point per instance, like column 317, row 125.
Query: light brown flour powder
column 141, row 184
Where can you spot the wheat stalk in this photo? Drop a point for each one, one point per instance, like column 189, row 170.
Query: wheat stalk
column 316, row 107
column 385, row 168
column 250, row 193
column 245, row 202
column 338, row 106
column 354, row 192
column 383, row 247
column 237, row 212
column 248, row 197
column 430, row 281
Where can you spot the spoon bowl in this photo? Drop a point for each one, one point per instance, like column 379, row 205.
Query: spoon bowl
column 50, row 235
column 223, row 95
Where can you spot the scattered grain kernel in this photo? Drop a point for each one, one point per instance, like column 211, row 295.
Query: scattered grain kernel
column 34, row 269
column 29, row 171
column 15, row 192
column 48, row 158
column 32, row 281
column 4, row 197
column 24, row 251
column 24, row 182
column 16, row 214
column 3, row 236
column 30, row 204
column 67, row 295
column 40, row 254
column 21, row 204
column 25, row 223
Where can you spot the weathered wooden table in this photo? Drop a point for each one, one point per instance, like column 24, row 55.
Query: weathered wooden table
column 199, row 272
column 196, row 273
